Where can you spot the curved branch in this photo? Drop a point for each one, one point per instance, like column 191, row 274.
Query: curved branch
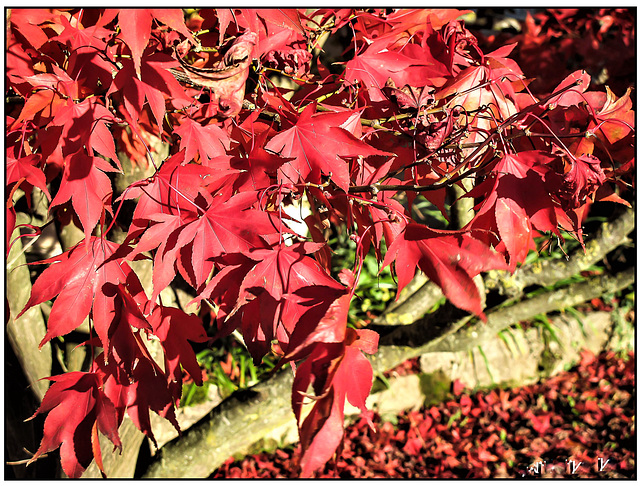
column 422, row 337
column 413, row 307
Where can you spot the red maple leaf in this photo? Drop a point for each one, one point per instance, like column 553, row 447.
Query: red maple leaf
column 271, row 286
column 379, row 63
column 27, row 21
column 90, row 70
column 177, row 189
column 78, row 408
column 321, row 433
column 76, row 36
column 223, row 289
column 135, row 28
column 88, row 187
column 517, row 200
column 80, row 278
column 154, row 84
column 318, row 144
column 40, row 107
column 137, row 392
column 258, row 170
column 114, row 311
column 209, row 141
column 227, row 227
column 275, row 27
column 449, row 259
column 85, row 125
column 582, row 180
column 337, row 371
column 355, row 375
column 58, row 81
column 283, row 270
column 573, row 95
column 325, row 321
column 25, row 171
column 475, row 88
column 189, row 241
column 616, row 118
column 175, row 328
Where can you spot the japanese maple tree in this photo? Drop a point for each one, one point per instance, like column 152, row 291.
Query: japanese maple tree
column 414, row 108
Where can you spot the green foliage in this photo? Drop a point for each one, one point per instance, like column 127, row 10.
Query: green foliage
column 376, row 288
column 229, row 367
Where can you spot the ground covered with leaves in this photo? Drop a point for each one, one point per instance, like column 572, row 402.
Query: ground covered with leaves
column 577, row 424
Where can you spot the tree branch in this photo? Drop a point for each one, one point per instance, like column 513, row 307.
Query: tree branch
column 413, row 307
column 422, row 337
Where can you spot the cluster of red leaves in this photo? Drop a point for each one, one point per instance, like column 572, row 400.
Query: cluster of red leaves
column 599, row 40
column 418, row 108
column 585, row 415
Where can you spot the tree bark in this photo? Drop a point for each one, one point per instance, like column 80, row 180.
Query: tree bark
column 25, row 333
column 231, row 428
column 459, row 336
